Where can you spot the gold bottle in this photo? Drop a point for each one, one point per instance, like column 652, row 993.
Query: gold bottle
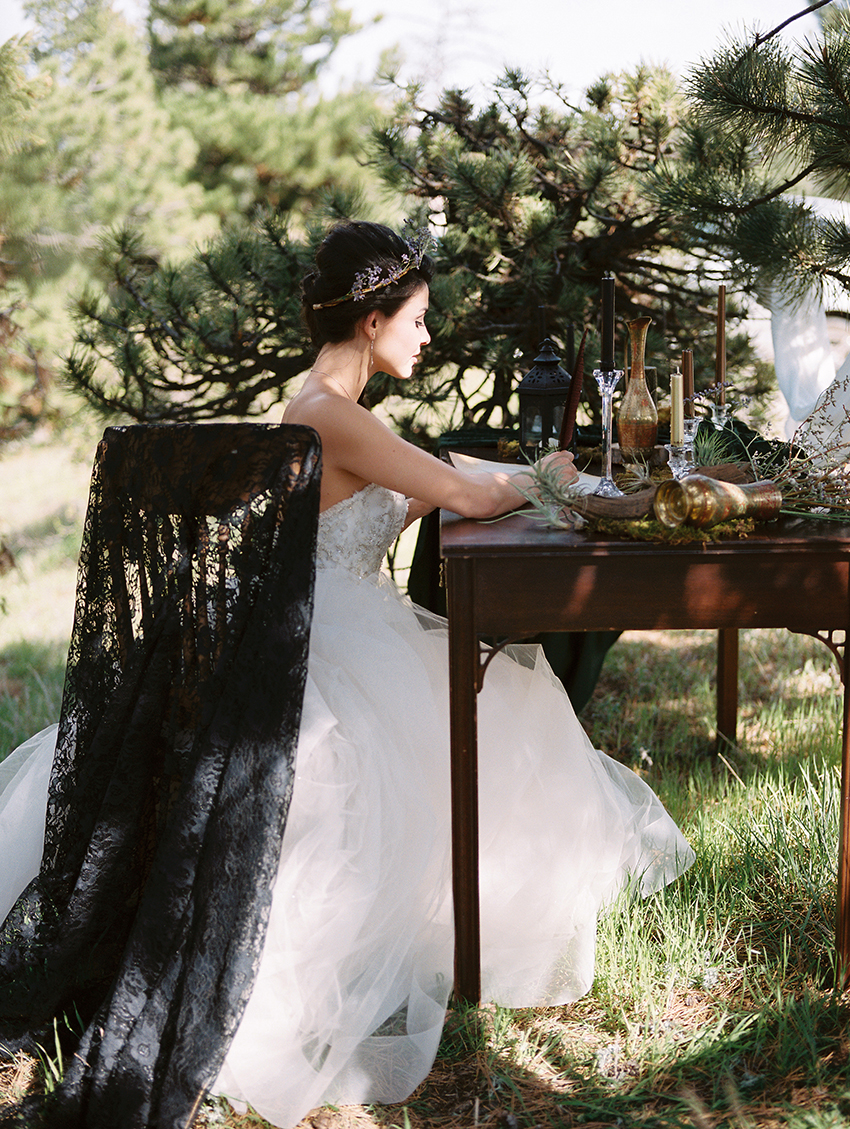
column 637, row 419
column 703, row 502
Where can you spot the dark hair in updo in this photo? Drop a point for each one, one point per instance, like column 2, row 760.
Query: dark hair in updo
column 346, row 250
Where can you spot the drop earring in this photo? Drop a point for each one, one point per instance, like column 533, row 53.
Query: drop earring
column 371, row 352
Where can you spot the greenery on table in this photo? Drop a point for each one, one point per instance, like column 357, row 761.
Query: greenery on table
column 649, row 529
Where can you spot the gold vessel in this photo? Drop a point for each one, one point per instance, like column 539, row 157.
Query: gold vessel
column 702, row 502
column 637, row 419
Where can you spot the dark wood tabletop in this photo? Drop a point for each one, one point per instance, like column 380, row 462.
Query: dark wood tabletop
column 790, row 573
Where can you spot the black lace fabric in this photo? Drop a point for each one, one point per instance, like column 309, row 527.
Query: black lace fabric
column 173, row 771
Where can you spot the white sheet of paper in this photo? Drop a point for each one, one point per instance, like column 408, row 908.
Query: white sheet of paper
column 586, row 484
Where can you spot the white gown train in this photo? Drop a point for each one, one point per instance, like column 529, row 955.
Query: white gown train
column 350, row 998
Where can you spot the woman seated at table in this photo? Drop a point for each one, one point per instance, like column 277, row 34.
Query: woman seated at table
column 350, row 995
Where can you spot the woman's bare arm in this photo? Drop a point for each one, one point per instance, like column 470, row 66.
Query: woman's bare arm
column 417, row 509
column 358, row 447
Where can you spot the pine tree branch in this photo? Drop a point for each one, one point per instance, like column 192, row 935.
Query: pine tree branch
column 126, row 285
column 837, row 275
column 775, row 192
column 744, row 105
column 836, row 77
column 759, row 39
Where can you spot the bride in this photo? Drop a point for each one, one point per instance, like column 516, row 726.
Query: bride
column 350, row 995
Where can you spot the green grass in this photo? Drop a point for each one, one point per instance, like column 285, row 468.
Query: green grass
column 713, row 1003
column 31, row 680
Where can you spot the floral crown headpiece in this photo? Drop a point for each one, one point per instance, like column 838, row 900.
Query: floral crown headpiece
column 377, row 277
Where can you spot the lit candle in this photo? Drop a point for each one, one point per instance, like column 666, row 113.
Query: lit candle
column 607, row 351
column 688, row 381
column 677, row 426
column 720, row 358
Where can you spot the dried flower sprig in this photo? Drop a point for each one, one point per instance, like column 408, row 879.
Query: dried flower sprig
column 815, row 479
column 419, row 242
column 708, row 399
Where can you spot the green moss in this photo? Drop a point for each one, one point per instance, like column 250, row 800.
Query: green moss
column 648, row 529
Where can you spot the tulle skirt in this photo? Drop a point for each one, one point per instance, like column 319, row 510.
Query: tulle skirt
column 350, row 997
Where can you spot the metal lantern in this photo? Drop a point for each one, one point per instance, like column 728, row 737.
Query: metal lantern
column 543, row 395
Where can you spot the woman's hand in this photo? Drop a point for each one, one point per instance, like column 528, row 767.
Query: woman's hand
column 562, row 462
column 557, row 466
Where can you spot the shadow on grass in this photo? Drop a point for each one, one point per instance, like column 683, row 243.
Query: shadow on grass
column 60, row 522
column 656, row 699
column 744, row 1068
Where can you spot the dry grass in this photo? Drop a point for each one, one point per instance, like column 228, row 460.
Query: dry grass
column 19, row 1077
column 43, row 495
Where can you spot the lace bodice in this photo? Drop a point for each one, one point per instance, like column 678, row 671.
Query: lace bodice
column 357, row 531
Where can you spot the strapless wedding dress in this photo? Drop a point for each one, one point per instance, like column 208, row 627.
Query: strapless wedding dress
column 350, row 997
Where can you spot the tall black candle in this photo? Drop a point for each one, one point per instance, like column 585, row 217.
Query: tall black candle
column 688, row 382
column 607, row 352
column 720, row 358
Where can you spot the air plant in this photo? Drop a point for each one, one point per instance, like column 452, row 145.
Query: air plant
column 551, row 498
column 710, row 447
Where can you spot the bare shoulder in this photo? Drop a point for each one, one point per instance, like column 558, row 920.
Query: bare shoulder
column 338, row 420
column 312, row 404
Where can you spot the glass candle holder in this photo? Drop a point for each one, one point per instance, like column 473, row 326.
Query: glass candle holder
column 607, row 381
column 690, row 428
column 719, row 415
column 679, row 459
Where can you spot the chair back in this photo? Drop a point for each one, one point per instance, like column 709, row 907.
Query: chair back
column 174, row 760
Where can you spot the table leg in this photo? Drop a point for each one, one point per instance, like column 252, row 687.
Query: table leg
column 842, row 913
column 727, row 685
column 463, row 679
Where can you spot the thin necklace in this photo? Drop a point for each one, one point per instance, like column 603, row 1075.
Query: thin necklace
column 319, row 372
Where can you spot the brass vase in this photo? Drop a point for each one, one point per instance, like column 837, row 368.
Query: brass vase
column 637, row 419
column 702, row 502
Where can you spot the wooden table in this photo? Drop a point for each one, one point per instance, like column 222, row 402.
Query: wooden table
column 515, row 578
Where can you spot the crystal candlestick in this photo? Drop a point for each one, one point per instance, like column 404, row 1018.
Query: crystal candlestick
column 607, row 382
column 690, row 426
column 719, row 415
column 677, row 459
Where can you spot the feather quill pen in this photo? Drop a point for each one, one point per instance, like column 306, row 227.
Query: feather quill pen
column 569, row 421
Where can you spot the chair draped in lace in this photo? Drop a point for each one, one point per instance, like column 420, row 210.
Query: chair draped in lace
column 173, row 771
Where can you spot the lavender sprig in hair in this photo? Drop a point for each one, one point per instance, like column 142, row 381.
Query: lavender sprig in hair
column 376, row 277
